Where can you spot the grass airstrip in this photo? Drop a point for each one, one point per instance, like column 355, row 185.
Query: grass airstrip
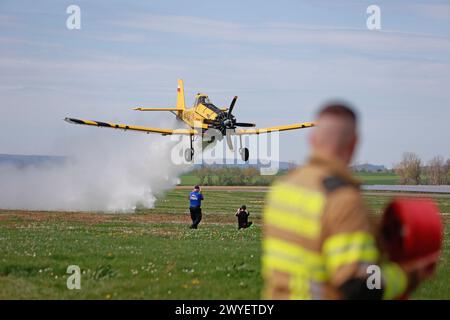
column 152, row 254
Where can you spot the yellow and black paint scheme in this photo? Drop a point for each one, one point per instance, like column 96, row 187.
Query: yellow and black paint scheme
column 203, row 115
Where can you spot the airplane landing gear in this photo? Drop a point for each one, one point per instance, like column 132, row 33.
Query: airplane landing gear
column 244, row 154
column 189, row 153
column 243, row 151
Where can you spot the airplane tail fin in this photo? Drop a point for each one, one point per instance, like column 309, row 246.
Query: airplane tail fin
column 180, row 97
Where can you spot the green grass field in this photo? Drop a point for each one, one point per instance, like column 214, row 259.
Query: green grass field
column 190, row 179
column 152, row 254
column 378, row 178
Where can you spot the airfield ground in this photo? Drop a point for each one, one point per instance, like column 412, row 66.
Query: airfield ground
column 152, row 254
column 368, row 178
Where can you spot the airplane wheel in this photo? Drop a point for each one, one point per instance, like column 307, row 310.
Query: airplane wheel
column 188, row 154
column 244, row 154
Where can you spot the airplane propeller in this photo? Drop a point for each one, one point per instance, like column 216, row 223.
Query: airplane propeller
column 227, row 121
column 229, row 142
column 244, row 124
column 233, row 102
column 232, row 122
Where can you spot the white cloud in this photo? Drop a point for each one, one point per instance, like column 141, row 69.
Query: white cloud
column 289, row 34
column 11, row 41
column 439, row 11
column 7, row 20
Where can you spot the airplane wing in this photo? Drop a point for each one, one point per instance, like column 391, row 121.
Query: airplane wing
column 164, row 132
column 157, row 109
column 294, row 126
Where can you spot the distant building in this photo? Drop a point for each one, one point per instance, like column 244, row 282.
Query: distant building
column 367, row 167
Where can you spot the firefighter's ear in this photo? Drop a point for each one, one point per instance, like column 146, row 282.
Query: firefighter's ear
column 353, row 144
column 347, row 151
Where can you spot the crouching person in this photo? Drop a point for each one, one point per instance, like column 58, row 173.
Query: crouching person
column 242, row 215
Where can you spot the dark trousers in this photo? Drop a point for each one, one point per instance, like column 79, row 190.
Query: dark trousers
column 196, row 216
column 243, row 222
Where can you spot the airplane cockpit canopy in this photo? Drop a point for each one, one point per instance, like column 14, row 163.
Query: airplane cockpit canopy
column 204, row 100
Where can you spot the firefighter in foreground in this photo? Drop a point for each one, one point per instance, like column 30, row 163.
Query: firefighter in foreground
column 318, row 241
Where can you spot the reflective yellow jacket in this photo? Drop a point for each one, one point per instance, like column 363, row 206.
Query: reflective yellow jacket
column 317, row 235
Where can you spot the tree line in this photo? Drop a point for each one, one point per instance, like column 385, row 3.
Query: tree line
column 232, row 176
column 412, row 170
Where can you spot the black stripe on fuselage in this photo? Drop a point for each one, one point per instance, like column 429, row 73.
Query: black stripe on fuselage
column 103, row 124
column 76, row 121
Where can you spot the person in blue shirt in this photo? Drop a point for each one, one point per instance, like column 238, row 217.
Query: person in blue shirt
column 195, row 206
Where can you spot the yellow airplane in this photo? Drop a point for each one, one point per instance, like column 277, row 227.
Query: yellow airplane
column 201, row 118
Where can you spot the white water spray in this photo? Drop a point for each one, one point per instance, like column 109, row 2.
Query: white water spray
column 105, row 171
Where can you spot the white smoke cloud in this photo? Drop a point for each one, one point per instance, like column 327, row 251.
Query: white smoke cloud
column 107, row 170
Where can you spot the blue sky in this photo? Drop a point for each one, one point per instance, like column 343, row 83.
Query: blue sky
column 281, row 58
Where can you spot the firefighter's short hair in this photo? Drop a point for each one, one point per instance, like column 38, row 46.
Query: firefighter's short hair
column 339, row 109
